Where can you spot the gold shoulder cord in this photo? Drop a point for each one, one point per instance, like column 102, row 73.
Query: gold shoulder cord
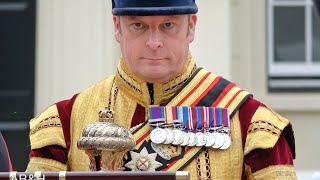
column 108, row 116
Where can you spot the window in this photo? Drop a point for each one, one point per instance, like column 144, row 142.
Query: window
column 293, row 46
column 17, row 76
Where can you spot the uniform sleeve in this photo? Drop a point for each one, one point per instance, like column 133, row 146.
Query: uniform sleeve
column 50, row 138
column 48, row 147
column 268, row 144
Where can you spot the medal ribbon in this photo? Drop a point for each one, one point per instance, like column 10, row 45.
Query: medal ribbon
column 191, row 119
column 194, row 118
column 218, row 116
column 185, row 117
column 206, row 118
column 203, row 118
column 225, row 118
column 212, row 117
column 177, row 116
column 199, row 120
column 156, row 115
column 169, row 115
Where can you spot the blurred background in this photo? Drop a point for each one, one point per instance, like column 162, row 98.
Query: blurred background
column 50, row 50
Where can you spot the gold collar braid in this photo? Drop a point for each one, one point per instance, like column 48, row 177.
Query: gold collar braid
column 137, row 89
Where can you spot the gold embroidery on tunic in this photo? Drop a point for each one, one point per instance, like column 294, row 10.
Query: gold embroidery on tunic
column 85, row 111
column 265, row 129
column 44, row 164
column 52, row 121
column 203, row 166
column 276, row 172
column 137, row 90
column 261, row 125
column 180, row 81
column 222, row 162
column 41, row 135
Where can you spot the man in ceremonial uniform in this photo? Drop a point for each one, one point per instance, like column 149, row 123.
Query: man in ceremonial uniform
column 157, row 69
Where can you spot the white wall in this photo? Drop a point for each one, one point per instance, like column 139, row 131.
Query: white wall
column 75, row 48
column 212, row 47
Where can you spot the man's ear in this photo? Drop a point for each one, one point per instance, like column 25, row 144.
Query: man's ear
column 117, row 30
column 192, row 27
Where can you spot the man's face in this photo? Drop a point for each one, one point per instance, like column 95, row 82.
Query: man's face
column 155, row 48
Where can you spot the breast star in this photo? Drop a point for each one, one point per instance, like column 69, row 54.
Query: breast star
column 143, row 161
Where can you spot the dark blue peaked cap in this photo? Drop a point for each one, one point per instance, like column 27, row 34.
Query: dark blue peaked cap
column 153, row 7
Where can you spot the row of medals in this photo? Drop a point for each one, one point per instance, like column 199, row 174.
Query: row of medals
column 217, row 138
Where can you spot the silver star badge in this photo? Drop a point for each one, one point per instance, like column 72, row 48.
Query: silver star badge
column 143, row 161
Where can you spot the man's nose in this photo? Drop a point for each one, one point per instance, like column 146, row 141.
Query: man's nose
column 154, row 40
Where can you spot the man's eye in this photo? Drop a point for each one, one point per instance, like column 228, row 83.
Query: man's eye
column 168, row 25
column 138, row 25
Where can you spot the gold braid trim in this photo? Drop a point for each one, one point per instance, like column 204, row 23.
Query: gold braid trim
column 85, row 111
column 264, row 126
column 53, row 121
column 46, row 129
column 227, row 164
column 276, row 172
column 264, row 130
column 137, row 89
column 203, row 166
column 44, row 164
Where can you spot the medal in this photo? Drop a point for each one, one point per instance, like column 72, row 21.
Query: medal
column 192, row 139
column 158, row 135
column 169, row 113
column 185, row 139
column 219, row 140
column 172, row 120
column 156, row 118
column 178, row 137
column 224, row 116
column 201, row 138
column 183, row 114
column 216, row 122
column 192, row 125
column 227, row 142
column 169, row 136
column 210, row 139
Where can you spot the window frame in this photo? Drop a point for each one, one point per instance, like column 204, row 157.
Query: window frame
column 308, row 68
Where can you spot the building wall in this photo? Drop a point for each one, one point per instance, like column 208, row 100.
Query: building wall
column 249, row 70
column 76, row 47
